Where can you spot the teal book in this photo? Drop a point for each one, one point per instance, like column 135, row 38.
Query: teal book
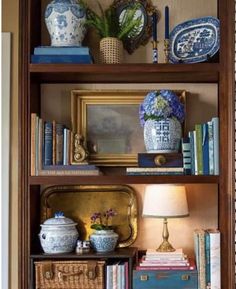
column 62, row 50
column 215, row 122
column 207, row 256
column 198, row 128
column 211, row 148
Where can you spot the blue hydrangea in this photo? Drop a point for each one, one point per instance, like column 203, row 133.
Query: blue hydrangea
column 161, row 105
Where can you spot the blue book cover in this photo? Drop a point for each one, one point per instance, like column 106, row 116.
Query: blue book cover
column 215, row 122
column 79, row 59
column 48, row 143
column 186, row 155
column 205, row 149
column 62, row 50
column 191, row 137
column 65, row 147
column 211, row 147
column 207, row 256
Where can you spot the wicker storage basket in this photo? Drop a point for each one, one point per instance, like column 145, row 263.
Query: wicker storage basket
column 69, row 274
column 111, row 50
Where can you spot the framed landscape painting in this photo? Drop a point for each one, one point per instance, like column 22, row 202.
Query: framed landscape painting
column 109, row 122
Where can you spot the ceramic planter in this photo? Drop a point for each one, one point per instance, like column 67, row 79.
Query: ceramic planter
column 104, row 240
column 58, row 235
column 162, row 136
column 65, row 21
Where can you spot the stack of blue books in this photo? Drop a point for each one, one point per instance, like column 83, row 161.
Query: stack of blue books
column 62, row 54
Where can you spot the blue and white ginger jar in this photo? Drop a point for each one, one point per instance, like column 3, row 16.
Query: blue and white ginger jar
column 58, row 235
column 65, row 21
column 104, row 240
column 162, row 136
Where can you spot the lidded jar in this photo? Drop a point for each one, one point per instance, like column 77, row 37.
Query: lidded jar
column 58, row 234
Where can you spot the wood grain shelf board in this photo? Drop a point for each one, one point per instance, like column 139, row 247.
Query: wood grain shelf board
column 126, row 73
column 95, row 180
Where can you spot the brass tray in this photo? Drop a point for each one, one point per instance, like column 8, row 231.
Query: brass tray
column 80, row 202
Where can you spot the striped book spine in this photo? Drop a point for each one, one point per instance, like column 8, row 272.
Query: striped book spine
column 186, row 155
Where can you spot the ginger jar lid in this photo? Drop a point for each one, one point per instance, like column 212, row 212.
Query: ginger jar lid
column 59, row 220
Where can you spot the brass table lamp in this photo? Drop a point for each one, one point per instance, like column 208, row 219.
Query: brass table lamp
column 165, row 201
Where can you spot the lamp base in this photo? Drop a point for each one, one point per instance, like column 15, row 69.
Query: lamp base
column 165, row 247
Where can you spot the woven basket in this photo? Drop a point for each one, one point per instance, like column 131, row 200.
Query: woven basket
column 69, row 274
column 111, row 50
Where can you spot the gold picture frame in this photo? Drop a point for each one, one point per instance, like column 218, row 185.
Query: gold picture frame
column 109, row 123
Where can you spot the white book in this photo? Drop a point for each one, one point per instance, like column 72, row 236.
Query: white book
column 215, row 272
column 109, row 277
column 176, row 253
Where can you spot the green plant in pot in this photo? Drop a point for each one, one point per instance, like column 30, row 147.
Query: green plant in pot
column 104, row 239
column 113, row 30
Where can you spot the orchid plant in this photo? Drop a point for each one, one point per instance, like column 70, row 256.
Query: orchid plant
column 102, row 220
column 160, row 105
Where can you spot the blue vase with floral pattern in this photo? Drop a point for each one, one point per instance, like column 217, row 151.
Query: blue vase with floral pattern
column 162, row 136
column 65, row 21
column 104, row 240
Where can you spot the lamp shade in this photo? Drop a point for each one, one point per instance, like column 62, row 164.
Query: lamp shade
column 165, row 201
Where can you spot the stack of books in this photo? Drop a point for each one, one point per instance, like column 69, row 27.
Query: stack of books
column 176, row 260
column 201, row 149
column 158, row 164
column 51, row 149
column 207, row 251
column 53, row 54
column 117, row 276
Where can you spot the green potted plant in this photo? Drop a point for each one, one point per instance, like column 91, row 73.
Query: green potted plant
column 104, row 239
column 113, row 30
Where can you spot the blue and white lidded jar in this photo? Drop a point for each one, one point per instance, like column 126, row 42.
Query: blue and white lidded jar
column 65, row 21
column 58, row 235
column 104, row 240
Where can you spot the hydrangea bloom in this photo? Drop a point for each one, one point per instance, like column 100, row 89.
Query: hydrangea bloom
column 161, row 105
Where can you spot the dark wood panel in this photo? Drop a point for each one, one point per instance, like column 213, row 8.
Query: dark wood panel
column 117, row 73
column 123, row 180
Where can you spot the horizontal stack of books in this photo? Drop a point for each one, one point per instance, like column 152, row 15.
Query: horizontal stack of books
column 207, row 251
column 117, row 276
column 158, row 164
column 201, row 149
column 53, row 54
column 176, row 260
column 51, row 148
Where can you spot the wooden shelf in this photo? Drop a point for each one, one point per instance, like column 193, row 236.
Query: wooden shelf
column 126, row 73
column 116, row 180
column 118, row 253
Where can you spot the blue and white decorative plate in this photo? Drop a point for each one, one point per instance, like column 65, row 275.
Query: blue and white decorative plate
column 195, row 40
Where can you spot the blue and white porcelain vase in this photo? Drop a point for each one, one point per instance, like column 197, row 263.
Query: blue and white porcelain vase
column 65, row 21
column 104, row 240
column 58, row 235
column 162, row 136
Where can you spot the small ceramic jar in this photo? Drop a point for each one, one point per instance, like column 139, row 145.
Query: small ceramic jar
column 58, row 235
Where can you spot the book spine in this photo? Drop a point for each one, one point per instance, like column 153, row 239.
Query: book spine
column 65, row 160
column 40, row 146
column 71, row 167
column 140, row 268
column 54, row 142
column 59, row 144
column 153, row 170
column 190, row 134
column 68, row 146
column 211, row 148
column 32, row 144
column 202, row 259
column 186, row 155
column 196, row 250
column 126, row 275
column 68, row 173
column 205, row 149
column 154, row 173
column 48, row 143
column 82, row 59
column 195, row 152
column 50, row 50
column 114, row 283
column 122, row 276
column 119, row 277
column 198, row 128
column 215, row 272
column 207, row 255
column 36, row 145
column 109, row 276
column 215, row 121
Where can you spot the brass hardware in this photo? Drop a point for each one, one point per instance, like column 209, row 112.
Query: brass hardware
column 144, row 277
column 48, row 275
column 185, row 277
column 159, row 160
column 47, row 270
column 166, row 50
column 80, row 153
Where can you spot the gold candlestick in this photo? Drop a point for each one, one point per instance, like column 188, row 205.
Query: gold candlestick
column 166, row 50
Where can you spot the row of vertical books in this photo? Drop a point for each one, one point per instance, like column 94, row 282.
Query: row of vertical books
column 201, row 149
column 177, row 260
column 51, row 145
column 117, row 276
column 207, row 251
